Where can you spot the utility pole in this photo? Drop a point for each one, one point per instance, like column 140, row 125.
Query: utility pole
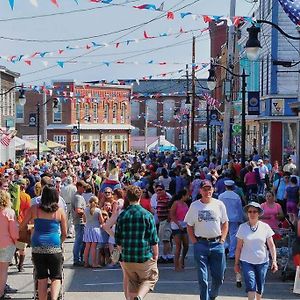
column 228, row 102
column 146, row 127
column 187, row 105
column 193, row 95
column 44, row 118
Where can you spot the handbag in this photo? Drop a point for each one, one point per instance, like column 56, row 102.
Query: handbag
column 296, row 289
column 25, row 235
column 115, row 256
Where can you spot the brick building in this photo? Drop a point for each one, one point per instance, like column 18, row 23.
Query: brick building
column 96, row 116
column 165, row 100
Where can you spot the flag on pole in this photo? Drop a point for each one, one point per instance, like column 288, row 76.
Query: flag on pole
column 292, row 9
column 5, row 140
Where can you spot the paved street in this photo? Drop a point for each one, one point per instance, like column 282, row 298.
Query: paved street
column 83, row 283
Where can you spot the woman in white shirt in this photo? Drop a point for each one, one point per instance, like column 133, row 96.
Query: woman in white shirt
column 252, row 253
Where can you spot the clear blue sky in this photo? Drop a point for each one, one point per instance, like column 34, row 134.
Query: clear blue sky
column 101, row 21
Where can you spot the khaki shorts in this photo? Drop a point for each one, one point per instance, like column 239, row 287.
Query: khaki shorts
column 164, row 231
column 20, row 245
column 141, row 275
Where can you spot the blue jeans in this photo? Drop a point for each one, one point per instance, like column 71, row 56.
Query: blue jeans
column 254, row 276
column 78, row 247
column 209, row 255
column 233, row 229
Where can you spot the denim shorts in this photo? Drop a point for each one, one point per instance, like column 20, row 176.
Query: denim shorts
column 254, row 276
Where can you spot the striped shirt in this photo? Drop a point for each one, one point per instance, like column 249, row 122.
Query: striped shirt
column 136, row 233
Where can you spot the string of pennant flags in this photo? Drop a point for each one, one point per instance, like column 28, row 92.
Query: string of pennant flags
column 170, row 15
column 64, row 96
column 28, row 58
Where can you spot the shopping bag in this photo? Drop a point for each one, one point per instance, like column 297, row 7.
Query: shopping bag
column 296, row 289
column 24, row 235
column 115, row 256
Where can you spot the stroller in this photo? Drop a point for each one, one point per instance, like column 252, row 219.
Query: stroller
column 284, row 238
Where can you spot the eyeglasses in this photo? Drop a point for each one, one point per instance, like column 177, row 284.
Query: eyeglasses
column 252, row 211
column 206, row 189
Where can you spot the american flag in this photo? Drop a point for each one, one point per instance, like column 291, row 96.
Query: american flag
column 5, row 140
column 211, row 101
column 292, row 9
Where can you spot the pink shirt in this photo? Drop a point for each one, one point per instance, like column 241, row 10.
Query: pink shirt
column 9, row 232
column 181, row 210
column 270, row 213
column 250, row 178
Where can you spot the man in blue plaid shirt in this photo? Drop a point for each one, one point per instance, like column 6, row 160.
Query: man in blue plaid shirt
column 136, row 238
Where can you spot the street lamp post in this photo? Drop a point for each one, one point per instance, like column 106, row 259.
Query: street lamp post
column 252, row 49
column 87, row 118
column 55, row 109
column 211, row 83
column 22, row 98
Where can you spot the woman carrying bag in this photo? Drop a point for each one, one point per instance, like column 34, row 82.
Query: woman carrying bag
column 9, row 234
column 50, row 230
column 253, row 240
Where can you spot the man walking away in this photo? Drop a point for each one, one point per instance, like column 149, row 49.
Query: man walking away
column 136, row 238
column 207, row 226
column 234, row 209
column 78, row 207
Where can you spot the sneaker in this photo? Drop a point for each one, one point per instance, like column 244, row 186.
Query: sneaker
column 162, row 260
column 170, row 260
column 78, row 264
column 137, row 298
column 9, row 289
column 21, row 269
column 4, row 296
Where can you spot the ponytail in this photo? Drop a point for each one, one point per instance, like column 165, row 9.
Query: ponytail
column 93, row 204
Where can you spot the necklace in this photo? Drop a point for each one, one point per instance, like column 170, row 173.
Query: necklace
column 253, row 228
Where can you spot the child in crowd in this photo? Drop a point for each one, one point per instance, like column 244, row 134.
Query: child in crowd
column 92, row 233
column 104, row 254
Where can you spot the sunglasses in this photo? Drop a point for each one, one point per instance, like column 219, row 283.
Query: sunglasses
column 107, row 192
column 207, row 188
column 252, row 211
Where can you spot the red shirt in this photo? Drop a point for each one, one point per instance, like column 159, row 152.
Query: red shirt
column 145, row 203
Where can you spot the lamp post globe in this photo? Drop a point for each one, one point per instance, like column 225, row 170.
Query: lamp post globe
column 253, row 45
column 211, row 80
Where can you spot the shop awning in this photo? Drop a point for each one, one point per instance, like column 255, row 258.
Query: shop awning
column 53, row 145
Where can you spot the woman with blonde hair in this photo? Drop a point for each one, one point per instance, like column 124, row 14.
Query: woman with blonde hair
column 9, row 235
column 92, row 235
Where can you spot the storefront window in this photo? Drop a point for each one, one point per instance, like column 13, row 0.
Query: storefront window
column 289, row 140
column 265, row 142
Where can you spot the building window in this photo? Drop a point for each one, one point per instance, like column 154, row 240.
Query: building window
column 289, row 140
column 170, row 135
column 151, row 109
column 135, row 109
column 168, row 109
column 114, row 113
column 61, row 139
column 123, row 113
column 95, row 111
column 135, row 131
column 106, row 109
column 77, row 110
column 86, row 109
column 152, row 131
column 20, row 113
column 57, row 116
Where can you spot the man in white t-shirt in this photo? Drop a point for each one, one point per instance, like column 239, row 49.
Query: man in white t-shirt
column 207, row 226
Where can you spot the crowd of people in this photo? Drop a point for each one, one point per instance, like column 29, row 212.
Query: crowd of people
column 120, row 208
